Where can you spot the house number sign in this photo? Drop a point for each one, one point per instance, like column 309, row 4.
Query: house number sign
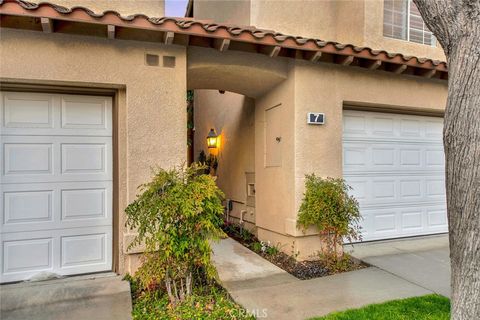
column 316, row 118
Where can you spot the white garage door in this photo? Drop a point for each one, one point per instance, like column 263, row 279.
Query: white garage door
column 395, row 164
column 56, row 184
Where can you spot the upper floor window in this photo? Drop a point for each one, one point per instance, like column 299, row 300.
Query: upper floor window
column 402, row 20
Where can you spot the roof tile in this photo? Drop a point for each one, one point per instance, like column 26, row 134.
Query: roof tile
column 234, row 31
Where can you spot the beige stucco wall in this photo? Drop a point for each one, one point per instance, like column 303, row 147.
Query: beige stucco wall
column 274, row 185
column 244, row 73
column 306, row 87
column 359, row 22
column 152, row 119
column 152, row 8
column 271, row 83
column 151, row 100
column 306, row 18
column 318, row 149
column 235, row 12
column 233, row 117
column 328, row 88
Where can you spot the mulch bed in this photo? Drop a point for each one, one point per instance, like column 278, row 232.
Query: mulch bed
column 302, row 270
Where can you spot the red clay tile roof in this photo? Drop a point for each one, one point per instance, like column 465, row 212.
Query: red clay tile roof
column 187, row 31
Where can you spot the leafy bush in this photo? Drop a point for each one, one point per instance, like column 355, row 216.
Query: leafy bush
column 328, row 207
column 175, row 215
column 257, row 246
column 210, row 163
column 238, row 231
column 205, row 302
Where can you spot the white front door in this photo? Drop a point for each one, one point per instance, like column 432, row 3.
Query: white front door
column 56, row 184
column 395, row 165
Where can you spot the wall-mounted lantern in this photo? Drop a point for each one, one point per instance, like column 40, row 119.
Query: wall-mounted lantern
column 212, row 139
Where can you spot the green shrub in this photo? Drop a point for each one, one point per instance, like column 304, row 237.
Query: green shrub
column 204, row 303
column 175, row 216
column 210, row 162
column 328, row 207
column 257, row 246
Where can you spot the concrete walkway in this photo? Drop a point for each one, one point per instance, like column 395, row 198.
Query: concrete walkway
column 424, row 261
column 99, row 296
column 269, row 292
column 240, row 268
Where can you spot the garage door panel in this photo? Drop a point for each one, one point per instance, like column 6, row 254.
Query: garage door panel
column 18, row 206
column 83, row 250
column 434, row 128
column 42, row 206
column 85, row 113
column 435, row 157
column 23, row 158
column 397, row 156
column 391, row 127
column 395, row 165
column 30, row 159
column 383, row 156
column 64, row 252
column 375, row 190
column 437, row 217
column 27, row 110
column 435, row 188
column 354, row 157
column 384, row 221
column 84, row 158
column 55, row 114
column 411, row 189
column 55, row 185
column 383, row 126
column 23, row 255
column 412, row 220
column 84, row 204
column 390, row 222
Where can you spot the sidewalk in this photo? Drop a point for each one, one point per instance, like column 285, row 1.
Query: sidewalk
column 264, row 289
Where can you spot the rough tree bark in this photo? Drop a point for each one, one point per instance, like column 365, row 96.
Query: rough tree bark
column 456, row 24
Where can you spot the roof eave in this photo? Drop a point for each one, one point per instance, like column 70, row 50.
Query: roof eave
column 189, row 32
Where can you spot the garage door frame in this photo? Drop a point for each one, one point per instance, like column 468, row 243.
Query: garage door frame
column 97, row 90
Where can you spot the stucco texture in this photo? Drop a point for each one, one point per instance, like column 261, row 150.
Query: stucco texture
column 328, row 89
column 307, row 149
column 306, row 88
column 151, row 116
column 233, row 118
column 358, row 22
column 150, row 108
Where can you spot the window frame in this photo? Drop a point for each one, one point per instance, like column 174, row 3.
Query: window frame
column 433, row 42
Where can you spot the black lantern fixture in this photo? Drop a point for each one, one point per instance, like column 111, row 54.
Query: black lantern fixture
column 212, row 139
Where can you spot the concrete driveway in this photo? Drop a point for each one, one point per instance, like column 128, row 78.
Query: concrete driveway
column 96, row 296
column 422, row 261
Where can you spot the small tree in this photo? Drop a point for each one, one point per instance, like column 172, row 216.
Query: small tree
column 327, row 206
column 175, row 215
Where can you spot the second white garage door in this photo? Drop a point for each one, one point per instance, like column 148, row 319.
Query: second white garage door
column 395, row 165
column 56, row 184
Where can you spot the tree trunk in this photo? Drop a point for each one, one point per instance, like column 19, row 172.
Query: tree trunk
column 462, row 150
column 456, row 24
